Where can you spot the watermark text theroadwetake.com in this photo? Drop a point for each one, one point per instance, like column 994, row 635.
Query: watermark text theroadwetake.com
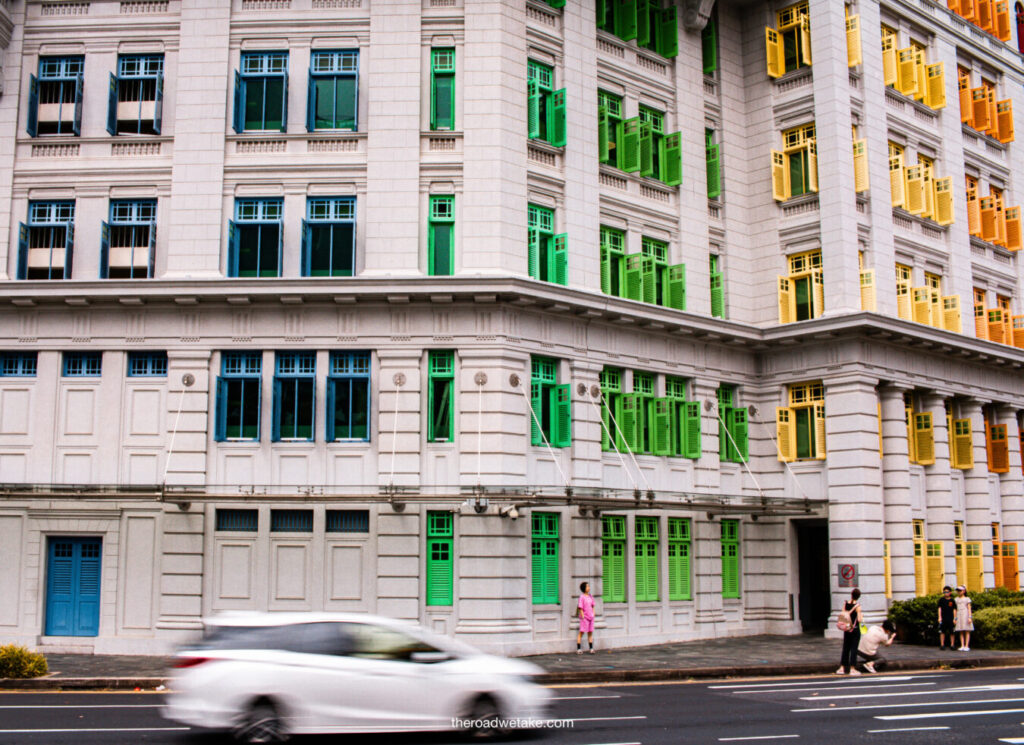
column 511, row 724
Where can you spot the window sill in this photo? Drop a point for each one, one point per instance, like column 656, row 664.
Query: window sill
column 897, row 100
column 988, row 139
column 545, row 145
column 905, row 219
column 794, row 79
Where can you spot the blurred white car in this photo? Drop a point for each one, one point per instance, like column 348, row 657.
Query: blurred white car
column 266, row 676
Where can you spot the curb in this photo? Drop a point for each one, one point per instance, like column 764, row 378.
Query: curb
column 55, row 683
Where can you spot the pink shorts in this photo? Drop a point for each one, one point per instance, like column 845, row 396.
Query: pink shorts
column 586, row 624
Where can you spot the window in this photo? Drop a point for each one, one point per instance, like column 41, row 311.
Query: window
column 294, row 396
column 717, row 286
column 730, row 558
column 147, row 364
column 800, row 427
column 545, row 105
column 611, row 409
column 1018, row 13
column 440, row 396
column 802, row 291
column 920, row 434
column 795, row 167
column 544, row 554
column 333, row 98
column 854, row 54
column 679, row 558
column 291, row 521
column 261, row 92
column 18, row 364
column 645, row 551
column 961, row 443
column 733, row 427
column 684, row 419
column 613, row 261
column 238, row 397
column 613, row 558
column 440, row 565
column 238, row 521
column 128, row 241
column 609, row 127
column 82, row 364
column 648, row 150
column 788, row 46
column 348, row 397
column 55, row 97
column 347, row 521
column 547, row 253
column 709, row 43
column 997, row 445
column 551, row 420
column 441, row 237
column 46, row 244
column 442, row 89
column 713, row 160
column 328, row 237
column 652, row 26
column 916, row 189
column 254, row 238
column 136, row 96
column 645, row 277
column 637, row 418
column 980, row 110
column 907, row 70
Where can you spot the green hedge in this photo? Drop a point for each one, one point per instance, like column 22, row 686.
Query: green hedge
column 916, row 619
column 19, row 662
column 999, row 628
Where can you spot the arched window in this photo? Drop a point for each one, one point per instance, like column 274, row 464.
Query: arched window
column 1018, row 10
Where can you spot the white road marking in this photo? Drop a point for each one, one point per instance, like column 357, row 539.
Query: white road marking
column 601, row 719
column 848, row 681
column 940, row 691
column 843, row 688
column 908, row 706
column 87, row 706
column 616, row 743
column 935, row 714
column 905, row 729
column 99, row 729
column 1013, row 740
column 758, row 737
column 579, row 698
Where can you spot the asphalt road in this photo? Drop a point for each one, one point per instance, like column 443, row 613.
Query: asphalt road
column 971, row 706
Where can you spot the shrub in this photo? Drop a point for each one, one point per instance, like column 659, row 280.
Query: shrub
column 20, row 662
column 999, row 627
column 917, row 622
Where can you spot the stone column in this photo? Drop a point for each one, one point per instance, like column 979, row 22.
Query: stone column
column 896, row 491
column 1011, row 484
column 938, row 485
column 856, row 513
column 977, row 498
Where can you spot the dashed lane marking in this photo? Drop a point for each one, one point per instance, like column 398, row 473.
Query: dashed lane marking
column 908, row 706
column 904, row 729
column 97, row 729
column 84, row 706
column 757, row 737
column 842, row 688
column 848, row 681
column 579, row 698
column 935, row 714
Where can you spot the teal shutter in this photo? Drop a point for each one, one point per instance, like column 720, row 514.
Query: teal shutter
column 536, row 392
column 158, row 107
column 629, row 158
column 675, row 287
column 561, row 415
column 104, row 250
column 284, row 104
column 76, row 126
column 709, row 46
column 717, row 295
column 112, row 105
column 661, row 425
column 32, row 122
column 714, row 170
column 668, row 33
column 22, row 270
column 533, row 98
column 691, row 425
column 646, row 141
column 602, row 134
column 69, row 250
column 739, row 427
column 672, row 159
column 220, row 428
column 557, row 122
column 238, row 121
column 558, row 260
column 533, row 253
column 311, row 104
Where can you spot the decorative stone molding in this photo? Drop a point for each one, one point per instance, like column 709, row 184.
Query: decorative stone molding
column 696, row 13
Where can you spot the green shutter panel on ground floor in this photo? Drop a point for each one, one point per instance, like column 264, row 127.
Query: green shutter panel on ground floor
column 673, row 159
column 537, row 570
column 691, row 428
column 730, row 570
column 675, row 290
column 561, row 416
column 613, row 566
column 679, row 571
column 440, row 582
column 551, row 594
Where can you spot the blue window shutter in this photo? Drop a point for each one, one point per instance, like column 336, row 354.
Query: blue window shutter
column 275, row 432
column 369, row 421
column 104, row 250
column 329, row 412
column 158, row 109
column 311, row 104
column 280, row 249
column 33, row 106
column 79, row 87
column 22, row 251
column 152, row 250
column 239, row 120
column 220, row 426
column 355, row 104
column 284, row 106
column 232, row 249
column 69, row 249
column 307, row 250
column 112, row 105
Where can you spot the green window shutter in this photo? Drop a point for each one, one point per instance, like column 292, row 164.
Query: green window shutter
column 602, row 134
column 643, row 23
column 652, row 571
column 739, row 427
column 556, row 124
column 625, row 19
column 606, row 272
column 561, row 415
column 650, row 280
column 634, row 277
column 440, row 584
column 558, row 260
column 724, row 445
column 691, row 428
column 551, row 572
column 613, row 558
column 672, row 159
column 536, row 394
column 556, row 3
column 714, row 168
column 629, row 423
column 640, row 571
column 668, row 33
column 661, row 424
column 717, row 295
column 709, row 46
column 533, row 253
column 646, row 149
column 533, row 101
column 537, row 570
column 675, row 291
column 730, row 559
column 629, row 158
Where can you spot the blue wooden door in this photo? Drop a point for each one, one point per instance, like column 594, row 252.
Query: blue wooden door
column 73, row 587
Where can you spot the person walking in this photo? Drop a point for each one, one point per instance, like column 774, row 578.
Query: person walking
column 585, row 611
column 849, row 624
column 964, row 618
column 869, row 643
column 947, row 612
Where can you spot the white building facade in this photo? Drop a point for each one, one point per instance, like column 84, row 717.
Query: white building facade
column 438, row 308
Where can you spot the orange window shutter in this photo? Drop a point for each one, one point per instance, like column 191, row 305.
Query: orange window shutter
column 1010, row 567
column 989, row 230
column 973, row 213
column 979, row 106
column 996, row 325
column 1013, row 229
column 998, row 449
column 1018, row 336
column 1002, row 20
column 1004, row 121
column 968, row 9
column 1000, row 222
column 993, row 124
column 964, row 87
column 980, row 321
column 983, row 14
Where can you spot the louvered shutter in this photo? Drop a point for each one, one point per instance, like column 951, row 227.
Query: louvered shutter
column 557, row 122
column 998, row 449
column 709, row 46
column 785, row 433
column 668, row 32
column 897, row 184
column 603, row 129
column 112, row 105
column 860, row 166
column 629, row 158
column 868, row 295
column 561, row 416
column 775, row 62
column 558, row 260
column 646, row 149
column 943, row 200
column 936, row 85
column 533, row 253
column 951, row 320
column 32, row 116
column 675, row 287
column 820, row 450
column 924, row 438
column 853, row 45
column 690, row 429
column 661, row 435
column 672, row 159
column 780, row 177
column 714, row 172
column 785, row 300
column 1004, row 121
column 79, row 90
column 533, row 101
column 626, row 19
column 536, row 402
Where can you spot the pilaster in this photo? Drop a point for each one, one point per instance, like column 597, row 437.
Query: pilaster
column 939, row 486
column 896, row 492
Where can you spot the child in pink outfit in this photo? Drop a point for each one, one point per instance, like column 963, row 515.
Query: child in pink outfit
column 585, row 610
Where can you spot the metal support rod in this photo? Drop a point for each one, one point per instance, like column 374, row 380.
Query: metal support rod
column 170, row 447
column 399, row 382
column 551, row 450
column 743, row 460
column 611, row 437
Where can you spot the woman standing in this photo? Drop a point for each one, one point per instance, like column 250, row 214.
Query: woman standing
column 851, row 636
column 964, row 620
column 585, row 610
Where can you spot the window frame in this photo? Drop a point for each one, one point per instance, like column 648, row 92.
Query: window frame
column 680, row 561
column 241, row 370
column 51, row 220
column 18, row 364
column 440, row 221
column 255, row 213
column 330, row 214
column 545, row 558
column 272, row 65
column 440, row 377
column 551, row 404
column 68, row 73
column 134, row 217
column 133, row 82
column 294, row 379
column 351, row 368
column 338, row 68
column 442, row 70
column 439, row 576
column 81, row 365
column 146, row 365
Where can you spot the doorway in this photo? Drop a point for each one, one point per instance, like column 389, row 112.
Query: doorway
column 73, row 586
column 814, row 599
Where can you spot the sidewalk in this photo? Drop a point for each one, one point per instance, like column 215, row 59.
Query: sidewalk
column 712, row 658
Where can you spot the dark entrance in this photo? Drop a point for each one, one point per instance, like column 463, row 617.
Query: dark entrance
column 812, row 553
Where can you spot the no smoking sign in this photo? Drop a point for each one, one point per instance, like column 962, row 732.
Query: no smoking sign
column 847, row 575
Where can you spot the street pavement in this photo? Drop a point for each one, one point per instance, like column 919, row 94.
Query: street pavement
column 962, row 706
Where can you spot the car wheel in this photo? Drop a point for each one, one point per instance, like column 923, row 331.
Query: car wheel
column 260, row 724
column 485, row 720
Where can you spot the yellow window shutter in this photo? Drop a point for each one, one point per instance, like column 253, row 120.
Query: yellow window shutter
column 974, row 568
column 936, row 75
column 780, row 177
column 924, row 438
column 973, row 213
column 812, row 165
column 785, row 300
column 773, row 53
column 805, row 39
column 1000, row 223
column 860, row 166
column 906, row 82
column 989, row 229
column 897, row 185
column 817, row 294
column 951, row 319
column 887, row 567
column 927, row 192
column 993, row 124
column 979, row 109
column 966, row 110
column 868, row 296
column 785, row 433
column 919, row 573
column 996, row 325
column 922, row 305
column 963, row 445
column 890, row 68
column 1013, row 229
column 819, row 432
column 915, row 189
column 911, row 452
column 936, row 567
column 980, row 321
column 1017, row 328
column 904, row 309
column 944, row 200
column 922, row 76
column 1004, row 121
column 935, row 300
column 853, row 48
